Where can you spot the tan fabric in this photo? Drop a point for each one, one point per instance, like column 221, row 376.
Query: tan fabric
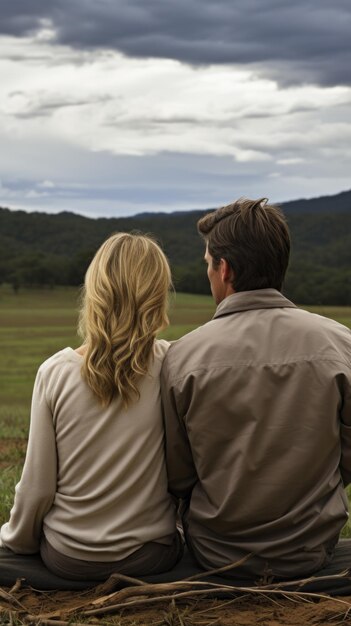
column 94, row 478
column 258, row 430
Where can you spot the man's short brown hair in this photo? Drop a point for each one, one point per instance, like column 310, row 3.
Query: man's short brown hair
column 253, row 237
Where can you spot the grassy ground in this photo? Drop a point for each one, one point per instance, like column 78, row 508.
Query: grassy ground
column 33, row 325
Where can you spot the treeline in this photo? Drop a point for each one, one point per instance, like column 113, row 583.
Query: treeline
column 44, row 250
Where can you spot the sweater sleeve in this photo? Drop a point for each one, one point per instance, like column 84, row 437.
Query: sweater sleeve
column 35, row 492
column 181, row 471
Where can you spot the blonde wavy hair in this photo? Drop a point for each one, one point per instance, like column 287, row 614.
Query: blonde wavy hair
column 124, row 305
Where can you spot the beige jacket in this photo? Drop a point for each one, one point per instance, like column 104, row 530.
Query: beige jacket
column 258, row 429
column 94, row 479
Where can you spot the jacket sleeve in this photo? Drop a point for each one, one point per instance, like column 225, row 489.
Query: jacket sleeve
column 345, row 432
column 35, row 492
column 181, row 470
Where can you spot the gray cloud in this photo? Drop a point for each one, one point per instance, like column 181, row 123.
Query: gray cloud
column 22, row 17
column 46, row 110
column 40, row 105
column 304, row 41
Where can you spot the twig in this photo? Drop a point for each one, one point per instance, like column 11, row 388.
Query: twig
column 343, row 615
column 116, row 578
column 36, row 619
column 126, row 594
column 305, row 581
column 157, row 588
column 155, row 599
column 219, row 570
column 203, row 592
column 17, row 586
column 9, row 598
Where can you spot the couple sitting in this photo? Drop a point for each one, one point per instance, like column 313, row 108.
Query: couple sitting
column 251, row 441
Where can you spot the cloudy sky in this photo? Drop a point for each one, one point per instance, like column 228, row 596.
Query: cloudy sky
column 116, row 107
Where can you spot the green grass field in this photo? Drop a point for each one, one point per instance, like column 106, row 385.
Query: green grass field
column 36, row 323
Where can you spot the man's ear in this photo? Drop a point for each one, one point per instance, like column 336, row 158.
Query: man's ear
column 226, row 271
column 227, row 277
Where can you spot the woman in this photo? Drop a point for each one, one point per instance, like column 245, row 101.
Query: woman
column 93, row 493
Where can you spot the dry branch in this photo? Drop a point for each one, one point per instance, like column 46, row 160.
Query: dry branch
column 220, row 570
column 140, row 594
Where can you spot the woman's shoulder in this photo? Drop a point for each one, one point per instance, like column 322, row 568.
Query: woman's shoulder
column 61, row 370
column 59, row 359
column 161, row 347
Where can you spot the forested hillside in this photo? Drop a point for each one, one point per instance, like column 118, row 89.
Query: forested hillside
column 48, row 250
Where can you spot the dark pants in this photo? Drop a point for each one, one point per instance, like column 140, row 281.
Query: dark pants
column 340, row 563
column 151, row 558
column 32, row 568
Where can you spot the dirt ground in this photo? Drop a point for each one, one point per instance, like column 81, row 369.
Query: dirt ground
column 23, row 605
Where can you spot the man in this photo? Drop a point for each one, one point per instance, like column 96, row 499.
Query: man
column 257, row 409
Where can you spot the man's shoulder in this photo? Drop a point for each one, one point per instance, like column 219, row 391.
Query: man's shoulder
column 191, row 350
column 194, row 337
column 312, row 320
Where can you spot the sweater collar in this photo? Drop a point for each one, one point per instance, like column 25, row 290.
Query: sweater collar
column 249, row 300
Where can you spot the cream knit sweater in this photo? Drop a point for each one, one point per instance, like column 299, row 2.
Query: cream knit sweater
column 94, row 479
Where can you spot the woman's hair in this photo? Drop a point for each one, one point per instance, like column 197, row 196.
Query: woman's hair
column 124, row 305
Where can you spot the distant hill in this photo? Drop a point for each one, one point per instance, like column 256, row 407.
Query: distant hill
column 340, row 202
column 45, row 249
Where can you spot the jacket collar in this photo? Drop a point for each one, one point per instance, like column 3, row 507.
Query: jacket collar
column 248, row 300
